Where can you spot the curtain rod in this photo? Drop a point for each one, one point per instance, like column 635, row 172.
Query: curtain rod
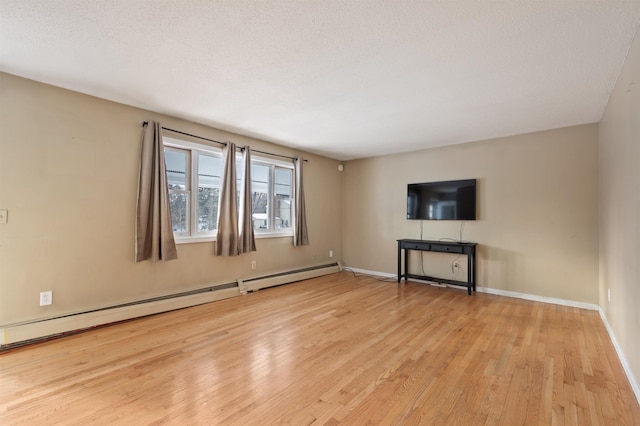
column 144, row 123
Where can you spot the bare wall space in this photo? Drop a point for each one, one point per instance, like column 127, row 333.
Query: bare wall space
column 537, row 211
column 620, row 212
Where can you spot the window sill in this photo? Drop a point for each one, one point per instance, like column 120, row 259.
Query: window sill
column 210, row 238
column 273, row 235
column 189, row 240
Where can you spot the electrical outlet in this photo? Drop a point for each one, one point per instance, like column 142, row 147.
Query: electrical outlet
column 4, row 216
column 46, row 298
column 456, row 264
column 253, row 265
column 330, row 254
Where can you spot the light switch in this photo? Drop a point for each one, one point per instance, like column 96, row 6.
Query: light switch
column 4, row 216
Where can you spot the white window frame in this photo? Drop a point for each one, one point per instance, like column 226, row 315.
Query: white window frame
column 188, row 191
column 272, row 232
column 194, row 149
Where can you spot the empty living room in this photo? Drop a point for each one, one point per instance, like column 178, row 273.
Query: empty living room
column 319, row 212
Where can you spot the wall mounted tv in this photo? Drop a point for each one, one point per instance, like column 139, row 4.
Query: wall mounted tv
column 450, row 200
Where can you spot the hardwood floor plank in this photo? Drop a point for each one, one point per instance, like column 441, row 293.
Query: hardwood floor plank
column 332, row 350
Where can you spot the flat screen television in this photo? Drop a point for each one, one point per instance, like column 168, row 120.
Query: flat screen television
column 449, row 200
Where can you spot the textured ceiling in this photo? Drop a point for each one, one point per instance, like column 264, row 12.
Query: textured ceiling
column 342, row 78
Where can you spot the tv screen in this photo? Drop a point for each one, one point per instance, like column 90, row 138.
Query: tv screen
column 450, row 200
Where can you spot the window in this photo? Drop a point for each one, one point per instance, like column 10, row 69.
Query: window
column 194, row 175
column 272, row 197
column 176, row 162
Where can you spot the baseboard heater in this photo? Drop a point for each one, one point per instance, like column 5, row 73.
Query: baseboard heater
column 253, row 284
column 27, row 332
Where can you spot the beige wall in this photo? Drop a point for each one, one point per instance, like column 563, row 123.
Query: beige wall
column 68, row 176
column 537, row 211
column 620, row 211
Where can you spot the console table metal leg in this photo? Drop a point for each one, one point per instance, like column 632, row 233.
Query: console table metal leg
column 470, row 280
column 406, row 265
column 399, row 263
column 474, row 274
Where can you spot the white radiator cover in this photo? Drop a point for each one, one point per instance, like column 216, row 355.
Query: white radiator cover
column 284, row 278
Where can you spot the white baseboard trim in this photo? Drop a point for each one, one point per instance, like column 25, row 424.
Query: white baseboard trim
column 366, row 272
column 621, row 357
column 487, row 290
column 536, row 298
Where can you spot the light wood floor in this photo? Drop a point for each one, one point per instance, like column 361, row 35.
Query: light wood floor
column 332, row 350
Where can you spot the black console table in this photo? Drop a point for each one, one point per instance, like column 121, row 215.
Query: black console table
column 469, row 249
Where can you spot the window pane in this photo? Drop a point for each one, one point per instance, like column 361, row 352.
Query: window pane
column 208, row 209
column 179, row 202
column 283, row 182
column 209, row 170
column 260, row 175
column 176, row 164
column 283, row 192
column 239, row 171
column 260, row 196
column 283, row 212
column 239, row 177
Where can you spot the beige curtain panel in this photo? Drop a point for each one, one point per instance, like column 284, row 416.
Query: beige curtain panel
column 154, row 232
column 227, row 236
column 247, row 241
column 300, row 234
